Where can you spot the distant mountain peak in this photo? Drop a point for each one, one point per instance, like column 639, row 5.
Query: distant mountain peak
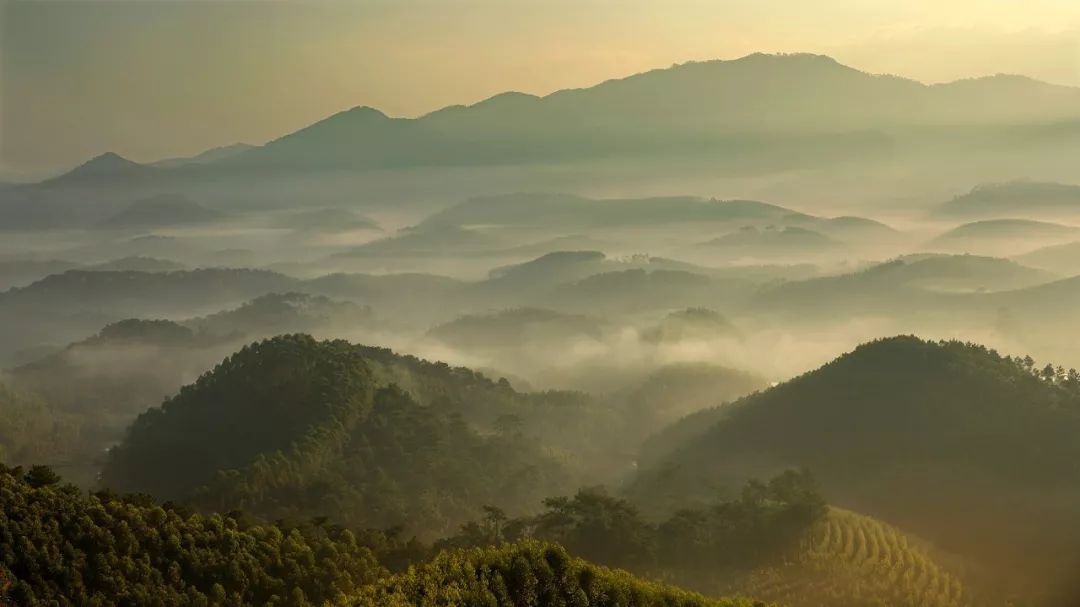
column 103, row 166
column 363, row 111
column 106, row 163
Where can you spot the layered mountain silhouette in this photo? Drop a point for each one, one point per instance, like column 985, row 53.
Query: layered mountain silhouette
column 166, row 210
column 1029, row 199
column 102, row 170
column 211, row 155
column 700, row 107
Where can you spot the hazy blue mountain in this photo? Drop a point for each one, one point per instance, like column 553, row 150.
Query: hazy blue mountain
column 1023, row 199
column 856, row 229
column 767, row 243
column 21, row 272
column 427, row 240
column 211, row 155
column 539, row 210
column 77, row 289
column 136, row 264
column 62, row 308
column 359, row 137
column 280, row 313
column 1062, row 258
column 1052, row 304
column 550, row 269
column 1002, row 235
column 105, row 169
column 690, row 324
column 517, row 328
column 781, row 102
column 899, row 287
column 641, row 289
column 166, row 210
column 324, row 220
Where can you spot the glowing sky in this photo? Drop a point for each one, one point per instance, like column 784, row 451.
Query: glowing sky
column 158, row 78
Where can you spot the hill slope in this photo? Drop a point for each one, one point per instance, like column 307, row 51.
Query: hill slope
column 853, row 560
column 64, row 548
column 1003, row 236
column 843, row 560
column 924, row 435
column 161, row 212
column 295, row 427
column 1026, row 199
column 60, row 547
column 527, row 574
column 686, row 108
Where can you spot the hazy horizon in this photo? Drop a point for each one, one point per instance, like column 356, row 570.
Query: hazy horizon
column 331, row 56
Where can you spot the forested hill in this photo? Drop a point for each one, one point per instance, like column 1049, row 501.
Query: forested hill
column 294, row 427
column 525, row 574
column 921, row 434
column 283, row 421
column 58, row 547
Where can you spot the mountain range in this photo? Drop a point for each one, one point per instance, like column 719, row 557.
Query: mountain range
column 705, row 107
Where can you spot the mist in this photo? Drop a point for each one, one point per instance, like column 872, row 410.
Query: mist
column 676, row 305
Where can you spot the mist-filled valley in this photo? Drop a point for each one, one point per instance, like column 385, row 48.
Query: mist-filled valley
column 770, row 330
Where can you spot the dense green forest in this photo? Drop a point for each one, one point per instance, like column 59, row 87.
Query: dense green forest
column 777, row 541
column 33, row 431
column 922, row 434
column 407, row 453
column 767, row 521
column 293, row 427
column 326, row 435
column 93, row 389
column 58, row 547
column 524, row 574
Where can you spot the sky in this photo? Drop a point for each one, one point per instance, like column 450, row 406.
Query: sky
column 162, row 78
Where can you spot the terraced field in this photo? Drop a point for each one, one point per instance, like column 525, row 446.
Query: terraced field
column 854, row 560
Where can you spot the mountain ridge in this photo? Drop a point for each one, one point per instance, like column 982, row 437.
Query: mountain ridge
column 683, row 106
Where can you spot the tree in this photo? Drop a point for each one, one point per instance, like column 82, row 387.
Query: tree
column 41, row 476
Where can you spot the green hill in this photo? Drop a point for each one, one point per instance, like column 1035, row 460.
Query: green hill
column 777, row 541
column 850, row 560
column 690, row 323
column 279, row 313
column 292, row 427
column 948, row 440
column 527, row 574
column 100, row 384
column 58, row 547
